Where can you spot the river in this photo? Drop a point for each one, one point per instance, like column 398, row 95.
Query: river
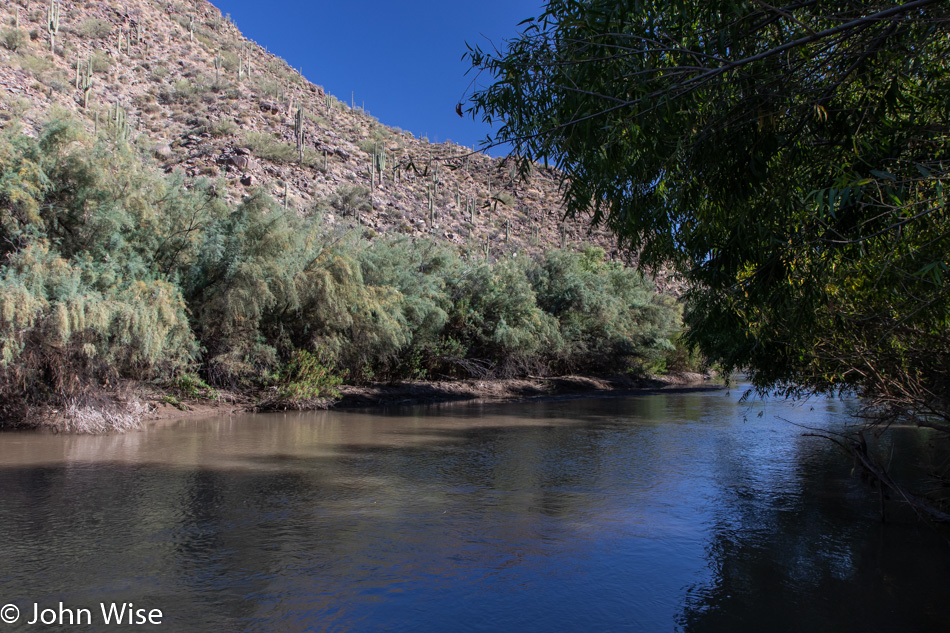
column 662, row 512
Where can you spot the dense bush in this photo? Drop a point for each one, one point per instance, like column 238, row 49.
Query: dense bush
column 94, row 29
column 607, row 314
column 112, row 271
column 13, row 39
column 272, row 148
column 306, row 377
column 82, row 296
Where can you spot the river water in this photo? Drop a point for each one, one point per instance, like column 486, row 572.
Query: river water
column 668, row 512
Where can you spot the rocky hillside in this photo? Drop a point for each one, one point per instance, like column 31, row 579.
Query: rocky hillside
column 180, row 81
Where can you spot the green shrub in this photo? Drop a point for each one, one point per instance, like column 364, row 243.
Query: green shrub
column 682, row 358
column 351, row 199
column 87, row 289
column 204, row 38
column 190, row 385
column 306, row 376
column 14, row 39
column 94, row 29
column 269, row 148
column 495, row 315
column 222, row 127
column 159, row 73
column 230, row 62
column 609, row 316
column 101, row 63
column 34, row 63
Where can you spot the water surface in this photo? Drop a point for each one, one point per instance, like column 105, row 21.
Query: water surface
column 670, row 512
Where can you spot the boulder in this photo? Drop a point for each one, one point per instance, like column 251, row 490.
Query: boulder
column 241, row 162
column 163, row 151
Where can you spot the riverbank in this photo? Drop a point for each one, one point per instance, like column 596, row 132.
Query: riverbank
column 510, row 390
column 137, row 407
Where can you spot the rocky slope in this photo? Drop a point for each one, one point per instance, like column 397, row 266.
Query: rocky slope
column 180, row 81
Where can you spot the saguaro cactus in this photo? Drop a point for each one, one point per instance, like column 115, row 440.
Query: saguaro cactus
column 380, row 159
column 298, row 134
column 431, row 210
column 85, row 84
column 123, row 131
column 52, row 23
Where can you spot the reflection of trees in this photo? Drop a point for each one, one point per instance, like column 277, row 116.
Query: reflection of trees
column 818, row 561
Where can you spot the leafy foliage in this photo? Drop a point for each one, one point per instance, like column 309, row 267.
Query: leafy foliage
column 79, row 303
column 606, row 313
column 13, row 39
column 111, row 271
column 94, row 29
column 269, row 147
column 791, row 160
column 351, row 199
column 305, row 377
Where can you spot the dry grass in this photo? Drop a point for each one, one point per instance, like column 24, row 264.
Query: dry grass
column 100, row 418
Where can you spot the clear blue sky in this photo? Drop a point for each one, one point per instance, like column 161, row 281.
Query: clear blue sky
column 402, row 59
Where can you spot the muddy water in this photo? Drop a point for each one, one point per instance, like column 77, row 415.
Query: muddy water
column 656, row 513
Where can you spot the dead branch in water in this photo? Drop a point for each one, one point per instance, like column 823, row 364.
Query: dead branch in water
column 858, row 449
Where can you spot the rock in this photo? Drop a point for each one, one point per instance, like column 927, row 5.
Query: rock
column 163, row 151
column 247, row 180
column 242, row 151
column 269, row 106
column 241, row 162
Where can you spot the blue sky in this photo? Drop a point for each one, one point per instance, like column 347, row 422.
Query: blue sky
column 402, row 59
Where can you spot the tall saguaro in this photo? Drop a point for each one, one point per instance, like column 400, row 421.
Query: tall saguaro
column 52, row 23
column 298, row 133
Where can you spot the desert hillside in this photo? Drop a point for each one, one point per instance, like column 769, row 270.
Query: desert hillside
column 198, row 97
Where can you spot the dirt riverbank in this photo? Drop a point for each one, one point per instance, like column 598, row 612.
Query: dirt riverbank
column 141, row 406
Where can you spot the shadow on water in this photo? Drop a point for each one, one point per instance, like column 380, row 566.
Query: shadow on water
column 666, row 512
column 821, row 559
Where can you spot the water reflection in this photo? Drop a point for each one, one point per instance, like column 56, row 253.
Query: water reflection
column 664, row 512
